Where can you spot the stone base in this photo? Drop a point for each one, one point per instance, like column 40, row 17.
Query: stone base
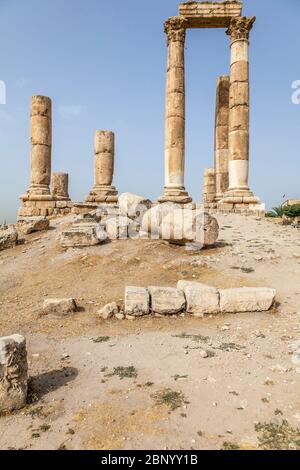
column 85, row 207
column 241, row 202
column 44, row 206
column 179, row 196
column 100, row 194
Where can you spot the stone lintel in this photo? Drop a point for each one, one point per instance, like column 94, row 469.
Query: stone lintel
column 210, row 14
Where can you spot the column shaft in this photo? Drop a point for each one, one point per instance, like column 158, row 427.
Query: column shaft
column 60, row 185
column 221, row 136
column 41, row 142
column 175, row 113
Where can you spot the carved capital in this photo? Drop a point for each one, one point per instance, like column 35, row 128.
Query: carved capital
column 175, row 28
column 240, row 27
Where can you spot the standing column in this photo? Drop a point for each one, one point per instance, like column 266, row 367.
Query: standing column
column 175, row 28
column 221, row 136
column 238, row 155
column 104, row 148
column 41, row 142
column 209, row 188
column 60, row 186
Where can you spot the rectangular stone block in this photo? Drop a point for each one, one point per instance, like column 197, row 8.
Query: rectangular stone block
column 167, row 300
column 28, row 212
column 59, row 306
column 200, row 298
column 13, row 373
column 210, row 14
column 247, row 299
column 61, row 204
column 137, row 301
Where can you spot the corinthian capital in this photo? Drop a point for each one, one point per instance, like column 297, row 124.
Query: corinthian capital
column 240, row 27
column 175, row 28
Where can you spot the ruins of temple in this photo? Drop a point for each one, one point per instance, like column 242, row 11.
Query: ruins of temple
column 226, row 186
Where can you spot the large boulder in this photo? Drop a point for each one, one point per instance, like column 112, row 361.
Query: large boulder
column 133, row 206
column 27, row 225
column 13, row 373
column 247, row 299
column 8, row 237
column 166, row 300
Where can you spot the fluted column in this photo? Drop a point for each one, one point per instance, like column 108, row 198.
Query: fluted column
column 221, row 136
column 41, row 143
column 104, row 154
column 175, row 29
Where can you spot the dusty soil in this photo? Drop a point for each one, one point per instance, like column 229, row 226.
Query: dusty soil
column 245, row 394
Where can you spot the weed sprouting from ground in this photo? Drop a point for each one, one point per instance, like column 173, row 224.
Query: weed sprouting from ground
column 196, row 338
column 129, row 372
column 170, row 398
column 278, row 436
column 230, row 446
column 101, row 339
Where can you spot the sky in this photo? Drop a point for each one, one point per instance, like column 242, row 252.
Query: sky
column 103, row 63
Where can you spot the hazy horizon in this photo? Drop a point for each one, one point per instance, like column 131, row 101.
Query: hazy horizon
column 104, row 66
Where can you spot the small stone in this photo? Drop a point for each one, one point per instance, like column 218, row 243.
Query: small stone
column 137, row 301
column 120, row 316
column 203, row 353
column 108, row 311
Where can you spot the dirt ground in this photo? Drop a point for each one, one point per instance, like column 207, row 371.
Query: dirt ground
column 144, row 384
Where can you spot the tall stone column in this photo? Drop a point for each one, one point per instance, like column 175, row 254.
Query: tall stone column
column 60, row 186
column 221, row 136
column 175, row 29
column 238, row 144
column 104, row 148
column 41, row 143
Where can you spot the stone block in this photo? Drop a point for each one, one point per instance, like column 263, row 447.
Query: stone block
column 28, row 212
column 13, row 373
column 59, row 306
column 27, row 225
column 133, row 206
column 201, row 299
column 137, row 301
column 167, row 300
column 247, row 299
column 80, row 235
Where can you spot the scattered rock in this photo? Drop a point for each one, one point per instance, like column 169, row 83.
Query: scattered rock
column 59, row 306
column 137, row 301
column 120, row 316
column 108, row 311
column 247, row 299
column 13, row 373
column 8, row 237
column 27, row 225
column 203, row 353
column 167, row 300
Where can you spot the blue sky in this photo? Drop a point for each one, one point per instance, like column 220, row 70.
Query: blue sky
column 103, row 63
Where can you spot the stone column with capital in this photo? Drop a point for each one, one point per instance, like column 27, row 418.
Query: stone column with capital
column 238, row 196
column 104, row 150
column 175, row 29
column 221, row 136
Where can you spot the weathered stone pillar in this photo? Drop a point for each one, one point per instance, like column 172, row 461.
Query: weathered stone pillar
column 175, row 28
column 209, row 188
column 221, row 136
column 41, row 142
column 104, row 148
column 60, row 186
column 238, row 192
column 13, row 373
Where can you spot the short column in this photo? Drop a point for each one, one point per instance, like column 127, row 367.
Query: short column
column 209, row 188
column 175, row 28
column 221, row 136
column 104, row 149
column 60, row 186
column 41, row 142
